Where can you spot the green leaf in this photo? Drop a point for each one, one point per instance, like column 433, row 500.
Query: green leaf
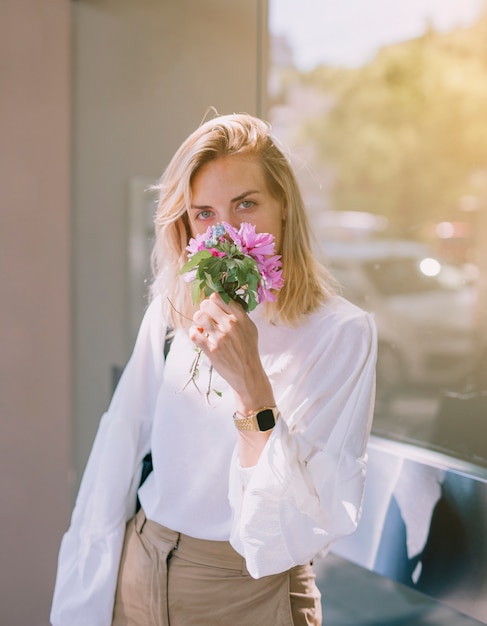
column 195, row 260
column 214, row 286
column 195, row 291
column 253, row 282
column 252, row 303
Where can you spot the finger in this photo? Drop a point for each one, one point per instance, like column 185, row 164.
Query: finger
column 214, row 307
column 230, row 307
column 220, row 312
column 204, row 321
column 199, row 336
column 217, row 300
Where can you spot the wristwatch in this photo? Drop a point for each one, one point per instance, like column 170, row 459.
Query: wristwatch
column 261, row 420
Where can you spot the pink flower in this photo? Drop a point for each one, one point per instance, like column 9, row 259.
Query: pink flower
column 197, row 243
column 258, row 246
column 250, row 242
column 270, row 270
column 264, row 295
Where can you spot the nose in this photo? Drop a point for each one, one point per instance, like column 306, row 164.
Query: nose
column 235, row 222
column 231, row 218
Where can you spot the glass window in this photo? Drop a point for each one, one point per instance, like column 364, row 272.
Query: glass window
column 382, row 108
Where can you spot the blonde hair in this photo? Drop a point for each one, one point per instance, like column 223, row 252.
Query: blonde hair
column 306, row 282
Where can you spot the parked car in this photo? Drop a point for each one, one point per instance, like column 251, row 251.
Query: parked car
column 424, row 309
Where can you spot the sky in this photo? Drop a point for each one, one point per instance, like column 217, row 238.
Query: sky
column 350, row 32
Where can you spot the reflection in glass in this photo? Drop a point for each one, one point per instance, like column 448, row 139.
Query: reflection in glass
column 386, row 126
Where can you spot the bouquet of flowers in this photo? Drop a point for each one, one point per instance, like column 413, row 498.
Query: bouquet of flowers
column 238, row 264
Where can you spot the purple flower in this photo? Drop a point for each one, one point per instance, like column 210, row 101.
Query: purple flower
column 250, row 242
column 221, row 241
column 197, row 243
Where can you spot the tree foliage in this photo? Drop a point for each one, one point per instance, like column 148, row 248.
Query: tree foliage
column 408, row 131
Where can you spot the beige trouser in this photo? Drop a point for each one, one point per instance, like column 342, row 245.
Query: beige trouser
column 169, row 579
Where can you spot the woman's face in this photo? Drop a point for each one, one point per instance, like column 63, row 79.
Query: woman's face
column 233, row 189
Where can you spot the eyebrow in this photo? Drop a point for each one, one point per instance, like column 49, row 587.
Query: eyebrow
column 241, row 196
column 245, row 194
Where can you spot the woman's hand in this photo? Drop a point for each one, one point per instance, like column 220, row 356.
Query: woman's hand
column 229, row 338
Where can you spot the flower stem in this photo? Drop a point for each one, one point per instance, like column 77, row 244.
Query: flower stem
column 194, row 370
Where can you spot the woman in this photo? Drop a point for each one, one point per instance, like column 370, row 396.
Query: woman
column 247, row 489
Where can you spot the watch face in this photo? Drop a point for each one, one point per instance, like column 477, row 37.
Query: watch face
column 265, row 419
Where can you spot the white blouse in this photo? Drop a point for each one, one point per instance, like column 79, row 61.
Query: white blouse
column 304, row 493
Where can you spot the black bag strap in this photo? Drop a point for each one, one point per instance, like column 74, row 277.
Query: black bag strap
column 147, row 466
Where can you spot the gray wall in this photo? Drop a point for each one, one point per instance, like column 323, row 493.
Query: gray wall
column 35, row 309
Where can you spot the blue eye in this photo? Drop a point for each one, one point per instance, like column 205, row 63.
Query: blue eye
column 247, row 204
column 204, row 215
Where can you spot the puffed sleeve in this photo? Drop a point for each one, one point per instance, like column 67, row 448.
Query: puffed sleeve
column 91, row 548
column 306, row 490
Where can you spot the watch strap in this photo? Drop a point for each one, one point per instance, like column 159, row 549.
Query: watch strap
column 261, row 420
